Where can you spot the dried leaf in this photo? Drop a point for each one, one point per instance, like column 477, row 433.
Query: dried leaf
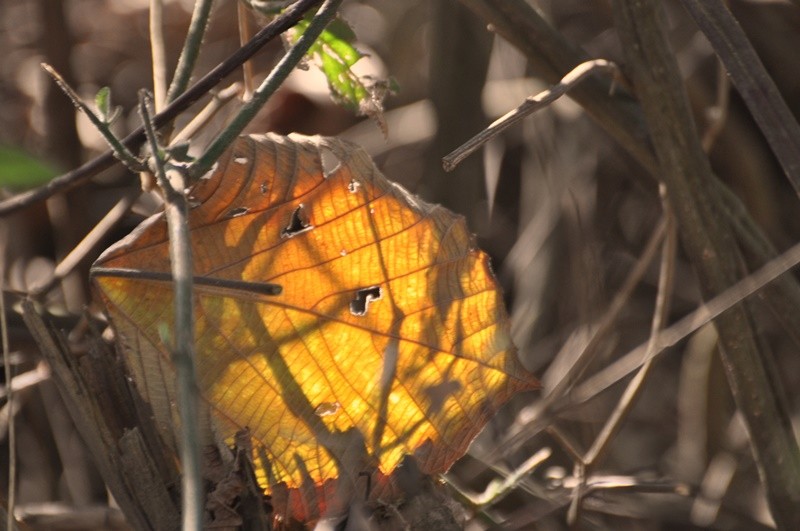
column 388, row 338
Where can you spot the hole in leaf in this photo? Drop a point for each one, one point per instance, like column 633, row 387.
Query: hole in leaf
column 297, row 225
column 240, row 160
column 238, row 211
column 364, row 296
column 263, row 188
column 353, row 186
column 330, row 162
column 326, row 409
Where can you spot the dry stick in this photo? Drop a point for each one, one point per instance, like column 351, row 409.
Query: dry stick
column 660, row 315
column 671, row 336
column 751, row 79
column 687, row 325
column 131, row 476
column 120, row 150
column 27, row 379
column 191, row 49
column 276, row 77
column 551, row 56
column 717, row 114
column 180, row 252
column 613, row 424
column 579, row 470
column 244, row 36
column 609, row 317
column 158, row 53
column 712, row 249
column 12, row 430
column 531, row 105
column 94, row 237
column 542, row 410
column 496, row 490
column 133, row 141
column 218, row 100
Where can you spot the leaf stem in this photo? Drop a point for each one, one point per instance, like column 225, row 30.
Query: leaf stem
column 119, row 149
column 268, row 87
column 180, row 252
column 191, row 49
column 134, row 140
column 218, row 100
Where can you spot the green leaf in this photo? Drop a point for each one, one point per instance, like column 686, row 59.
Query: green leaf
column 19, row 170
column 335, row 56
column 102, row 101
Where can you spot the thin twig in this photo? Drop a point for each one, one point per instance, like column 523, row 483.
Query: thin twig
column 550, row 56
column 158, row 53
column 9, row 376
column 717, row 114
column 692, row 322
column 180, row 252
column 497, row 489
column 531, row 105
column 191, row 49
column 92, row 239
column 540, row 413
column 244, row 36
column 660, row 314
column 275, row 78
column 134, row 141
column 565, row 441
column 709, row 243
column 120, row 150
column 27, row 379
column 218, row 100
column 667, row 338
column 752, row 81
column 609, row 316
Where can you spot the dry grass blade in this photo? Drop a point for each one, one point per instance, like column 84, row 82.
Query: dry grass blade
column 708, row 241
column 748, row 75
column 530, row 106
column 687, row 325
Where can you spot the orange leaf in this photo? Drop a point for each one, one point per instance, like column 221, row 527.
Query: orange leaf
column 389, row 337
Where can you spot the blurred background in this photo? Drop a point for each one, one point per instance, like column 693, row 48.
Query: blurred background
column 564, row 212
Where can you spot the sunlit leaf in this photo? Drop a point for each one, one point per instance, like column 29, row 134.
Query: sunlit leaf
column 387, row 336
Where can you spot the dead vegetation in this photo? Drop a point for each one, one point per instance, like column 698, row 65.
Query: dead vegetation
column 595, row 257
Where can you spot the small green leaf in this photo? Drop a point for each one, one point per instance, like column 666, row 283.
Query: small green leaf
column 335, row 56
column 102, row 101
column 19, row 170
